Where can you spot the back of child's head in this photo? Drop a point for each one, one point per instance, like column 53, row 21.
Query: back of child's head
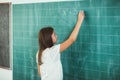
column 45, row 40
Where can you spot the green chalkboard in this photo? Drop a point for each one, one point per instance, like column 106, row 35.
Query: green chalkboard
column 94, row 56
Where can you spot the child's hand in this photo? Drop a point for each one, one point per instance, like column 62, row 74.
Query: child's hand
column 81, row 16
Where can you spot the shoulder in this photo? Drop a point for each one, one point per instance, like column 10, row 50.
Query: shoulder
column 53, row 49
column 55, row 46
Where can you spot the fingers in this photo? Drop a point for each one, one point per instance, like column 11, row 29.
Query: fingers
column 81, row 15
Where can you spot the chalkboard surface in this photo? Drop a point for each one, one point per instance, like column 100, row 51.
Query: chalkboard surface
column 94, row 56
column 4, row 36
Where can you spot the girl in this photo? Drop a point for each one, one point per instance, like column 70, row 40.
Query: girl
column 48, row 56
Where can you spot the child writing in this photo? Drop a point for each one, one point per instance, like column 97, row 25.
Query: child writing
column 48, row 55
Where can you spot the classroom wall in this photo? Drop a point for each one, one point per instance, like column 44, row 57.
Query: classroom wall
column 3, row 1
column 5, row 74
column 94, row 56
column 32, row 1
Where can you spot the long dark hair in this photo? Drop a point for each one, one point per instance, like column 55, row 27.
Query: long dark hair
column 45, row 41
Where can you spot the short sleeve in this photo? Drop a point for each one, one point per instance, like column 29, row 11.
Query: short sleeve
column 55, row 52
column 55, row 49
column 37, row 57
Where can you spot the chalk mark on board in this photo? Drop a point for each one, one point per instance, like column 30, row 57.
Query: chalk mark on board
column 110, row 64
column 84, row 62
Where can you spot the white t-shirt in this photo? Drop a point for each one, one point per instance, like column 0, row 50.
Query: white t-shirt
column 51, row 69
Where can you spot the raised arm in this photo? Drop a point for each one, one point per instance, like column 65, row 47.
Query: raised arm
column 72, row 38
